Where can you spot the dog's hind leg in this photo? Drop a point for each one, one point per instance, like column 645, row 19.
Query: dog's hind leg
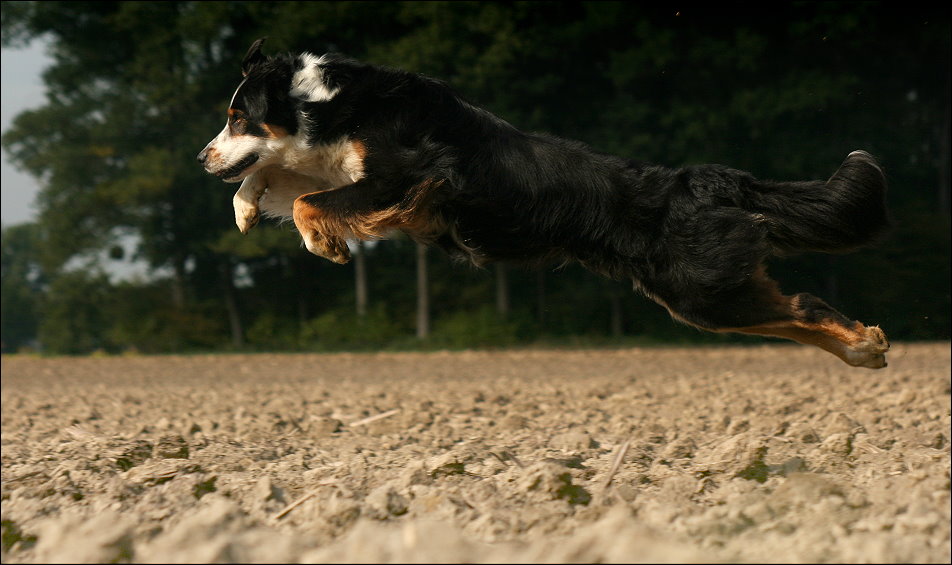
column 759, row 308
column 854, row 343
column 812, row 321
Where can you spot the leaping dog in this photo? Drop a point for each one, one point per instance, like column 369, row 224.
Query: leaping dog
column 351, row 150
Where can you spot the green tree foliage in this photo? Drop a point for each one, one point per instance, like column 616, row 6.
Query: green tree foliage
column 137, row 88
column 73, row 316
column 21, row 285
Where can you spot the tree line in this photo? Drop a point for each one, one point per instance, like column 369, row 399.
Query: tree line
column 137, row 88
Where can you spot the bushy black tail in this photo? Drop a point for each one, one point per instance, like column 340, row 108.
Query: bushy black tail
column 836, row 216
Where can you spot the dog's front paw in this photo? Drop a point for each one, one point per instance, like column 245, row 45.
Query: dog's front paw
column 332, row 248
column 246, row 213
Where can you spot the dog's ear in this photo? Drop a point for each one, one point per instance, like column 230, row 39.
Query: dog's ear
column 253, row 56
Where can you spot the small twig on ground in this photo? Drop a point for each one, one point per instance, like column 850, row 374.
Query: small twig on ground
column 26, row 475
column 325, row 483
column 79, row 433
column 616, row 463
column 370, row 419
column 293, row 505
column 505, row 456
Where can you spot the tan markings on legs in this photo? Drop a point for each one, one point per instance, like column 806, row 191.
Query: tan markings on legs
column 324, row 230
column 320, row 232
column 413, row 215
column 859, row 346
column 854, row 343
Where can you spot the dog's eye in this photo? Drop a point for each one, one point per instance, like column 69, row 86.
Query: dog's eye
column 238, row 123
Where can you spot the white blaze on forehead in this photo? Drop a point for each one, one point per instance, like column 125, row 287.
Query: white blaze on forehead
column 232, row 102
column 308, row 83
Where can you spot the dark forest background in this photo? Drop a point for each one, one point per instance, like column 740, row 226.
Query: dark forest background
column 784, row 90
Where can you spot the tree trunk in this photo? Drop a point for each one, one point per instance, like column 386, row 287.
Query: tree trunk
column 540, row 296
column 502, row 291
column 423, row 295
column 832, row 292
column 360, row 280
column 945, row 155
column 178, row 283
column 614, row 297
column 231, row 305
column 301, row 296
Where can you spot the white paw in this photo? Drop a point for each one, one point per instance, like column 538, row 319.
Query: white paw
column 246, row 213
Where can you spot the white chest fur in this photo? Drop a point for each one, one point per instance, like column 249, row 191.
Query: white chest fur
column 301, row 170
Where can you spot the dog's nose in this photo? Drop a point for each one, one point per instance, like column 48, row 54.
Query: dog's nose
column 203, row 156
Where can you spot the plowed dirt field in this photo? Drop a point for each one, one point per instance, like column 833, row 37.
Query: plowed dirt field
column 755, row 454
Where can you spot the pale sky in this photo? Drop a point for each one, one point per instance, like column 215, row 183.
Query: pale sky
column 20, row 88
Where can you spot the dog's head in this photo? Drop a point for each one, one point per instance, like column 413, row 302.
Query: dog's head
column 263, row 116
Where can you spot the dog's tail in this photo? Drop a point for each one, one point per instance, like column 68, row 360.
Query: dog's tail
column 836, row 216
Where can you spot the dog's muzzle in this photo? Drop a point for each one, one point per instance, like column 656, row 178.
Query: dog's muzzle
column 236, row 169
column 232, row 171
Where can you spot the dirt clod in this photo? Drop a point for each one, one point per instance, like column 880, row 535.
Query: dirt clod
column 171, row 446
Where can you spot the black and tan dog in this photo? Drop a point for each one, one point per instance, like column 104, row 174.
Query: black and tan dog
column 350, row 150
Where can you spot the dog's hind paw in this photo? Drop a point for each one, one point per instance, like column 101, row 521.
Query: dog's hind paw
column 870, row 350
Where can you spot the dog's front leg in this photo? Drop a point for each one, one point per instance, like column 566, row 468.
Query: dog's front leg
column 321, row 232
column 326, row 219
column 246, row 199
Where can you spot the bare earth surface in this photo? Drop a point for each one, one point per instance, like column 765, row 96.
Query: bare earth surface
column 760, row 454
